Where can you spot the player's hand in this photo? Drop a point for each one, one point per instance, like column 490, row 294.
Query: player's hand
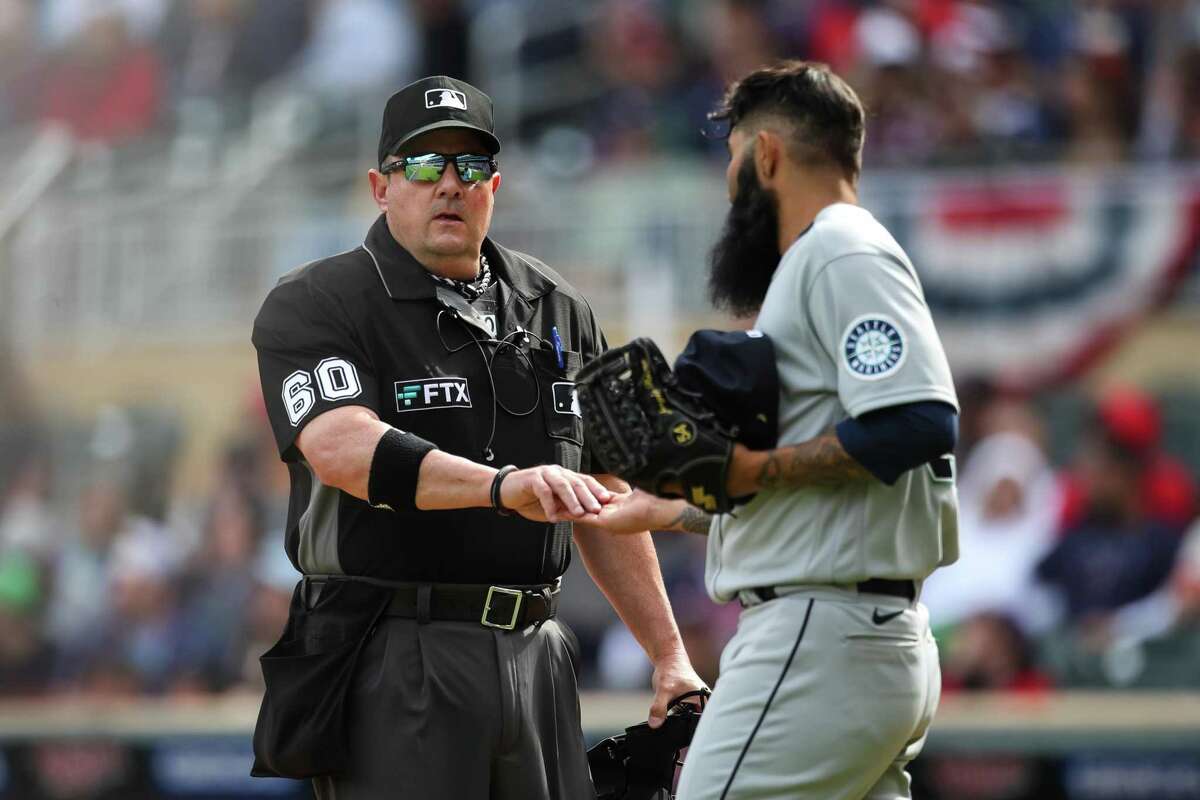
column 673, row 676
column 745, row 467
column 550, row 493
column 634, row 511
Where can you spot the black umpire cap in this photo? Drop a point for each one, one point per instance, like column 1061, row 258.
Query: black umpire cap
column 431, row 103
column 735, row 373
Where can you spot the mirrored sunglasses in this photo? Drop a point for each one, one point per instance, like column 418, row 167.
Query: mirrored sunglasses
column 429, row 167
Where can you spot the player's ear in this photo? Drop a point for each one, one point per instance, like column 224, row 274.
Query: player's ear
column 495, row 181
column 768, row 150
column 379, row 187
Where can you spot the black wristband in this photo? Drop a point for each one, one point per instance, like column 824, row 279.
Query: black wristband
column 501, row 474
column 395, row 468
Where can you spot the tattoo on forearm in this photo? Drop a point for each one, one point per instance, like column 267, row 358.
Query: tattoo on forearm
column 818, row 462
column 771, row 473
column 691, row 520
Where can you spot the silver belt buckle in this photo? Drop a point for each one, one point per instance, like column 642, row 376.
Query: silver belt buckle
column 487, row 607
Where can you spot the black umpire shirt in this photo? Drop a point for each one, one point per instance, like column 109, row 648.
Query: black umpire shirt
column 371, row 327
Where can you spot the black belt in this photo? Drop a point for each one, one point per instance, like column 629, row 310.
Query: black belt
column 886, row 586
column 889, row 586
column 503, row 607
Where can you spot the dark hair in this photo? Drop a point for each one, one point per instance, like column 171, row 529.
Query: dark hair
column 825, row 114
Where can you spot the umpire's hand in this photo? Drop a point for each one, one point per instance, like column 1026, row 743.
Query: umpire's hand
column 673, row 676
column 550, row 493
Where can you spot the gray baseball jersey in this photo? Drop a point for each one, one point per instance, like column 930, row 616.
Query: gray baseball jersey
column 852, row 333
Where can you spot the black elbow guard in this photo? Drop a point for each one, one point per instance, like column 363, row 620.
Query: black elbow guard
column 395, row 468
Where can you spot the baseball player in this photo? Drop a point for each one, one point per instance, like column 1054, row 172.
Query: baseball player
column 828, row 687
column 420, row 388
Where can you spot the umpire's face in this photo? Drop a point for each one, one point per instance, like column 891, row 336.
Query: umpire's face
column 442, row 223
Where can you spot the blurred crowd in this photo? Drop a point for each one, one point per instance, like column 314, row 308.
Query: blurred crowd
column 945, row 81
column 1084, row 574
column 1076, row 571
column 1080, row 547
column 107, row 591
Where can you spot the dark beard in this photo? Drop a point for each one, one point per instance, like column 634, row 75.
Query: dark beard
column 745, row 257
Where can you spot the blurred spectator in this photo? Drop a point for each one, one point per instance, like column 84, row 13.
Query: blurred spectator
column 104, row 86
column 18, row 46
column 1116, row 552
column 741, row 39
column 1099, row 90
column 445, row 35
column 1151, row 643
column 1132, row 421
column 65, row 20
column 140, row 644
column 831, row 35
column 1009, row 506
column 219, row 588
column 24, row 655
column 905, row 124
column 83, row 570
column 1189, row 97
column 359, row 46
column 638, row 53
column 28, row 523
column 222, row 48
column 990, row 652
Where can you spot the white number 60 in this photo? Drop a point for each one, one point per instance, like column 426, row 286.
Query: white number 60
column 298, row 399
column 338, row 379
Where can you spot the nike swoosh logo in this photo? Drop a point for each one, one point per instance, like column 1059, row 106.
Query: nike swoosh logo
column 880, row 619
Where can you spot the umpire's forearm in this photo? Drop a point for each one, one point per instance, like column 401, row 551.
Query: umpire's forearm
column 626, row 570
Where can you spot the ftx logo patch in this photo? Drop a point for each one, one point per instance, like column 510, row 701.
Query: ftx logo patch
column 426, row 393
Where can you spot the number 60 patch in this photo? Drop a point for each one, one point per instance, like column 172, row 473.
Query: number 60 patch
column 337, row 379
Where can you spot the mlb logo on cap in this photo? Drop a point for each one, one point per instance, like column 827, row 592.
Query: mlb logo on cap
column 445, row 98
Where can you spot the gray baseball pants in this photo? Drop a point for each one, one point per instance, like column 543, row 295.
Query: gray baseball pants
column 824, row 694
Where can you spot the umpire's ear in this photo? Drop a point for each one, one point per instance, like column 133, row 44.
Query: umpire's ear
column 768, row 156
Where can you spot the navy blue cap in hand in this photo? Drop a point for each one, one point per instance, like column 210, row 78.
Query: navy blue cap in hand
column 734, row 371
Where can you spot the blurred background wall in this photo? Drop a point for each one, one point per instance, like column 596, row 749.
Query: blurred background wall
column 163, row 162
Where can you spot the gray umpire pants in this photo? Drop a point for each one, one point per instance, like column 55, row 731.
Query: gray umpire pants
column 456, row 710
column 824, row 694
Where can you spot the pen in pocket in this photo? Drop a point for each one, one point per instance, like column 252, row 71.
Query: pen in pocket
column 556, row 340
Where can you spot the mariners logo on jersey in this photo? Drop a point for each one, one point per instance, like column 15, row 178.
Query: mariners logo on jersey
column 873, row 347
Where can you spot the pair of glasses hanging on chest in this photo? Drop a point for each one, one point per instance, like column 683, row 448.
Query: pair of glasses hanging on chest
column 429, row 167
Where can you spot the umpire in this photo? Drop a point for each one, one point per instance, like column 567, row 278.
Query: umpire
column 420, row 388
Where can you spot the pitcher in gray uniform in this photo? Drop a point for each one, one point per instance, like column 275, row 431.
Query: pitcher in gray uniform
column 829, row 686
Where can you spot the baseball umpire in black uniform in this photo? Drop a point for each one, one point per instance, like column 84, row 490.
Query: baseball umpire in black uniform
column 420, row 388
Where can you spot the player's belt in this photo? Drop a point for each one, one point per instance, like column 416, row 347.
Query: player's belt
column 504, row 607
column 886, row 586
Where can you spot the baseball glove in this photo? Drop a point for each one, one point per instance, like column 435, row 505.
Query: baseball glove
column 650, row 431
column 640, row 763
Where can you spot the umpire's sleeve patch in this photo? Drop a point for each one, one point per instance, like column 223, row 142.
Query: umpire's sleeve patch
column 873, row 347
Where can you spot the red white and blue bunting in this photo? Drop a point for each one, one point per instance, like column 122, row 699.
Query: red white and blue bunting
column 1032, row 277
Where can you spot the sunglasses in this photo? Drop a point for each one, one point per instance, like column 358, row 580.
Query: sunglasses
column 429, row 167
